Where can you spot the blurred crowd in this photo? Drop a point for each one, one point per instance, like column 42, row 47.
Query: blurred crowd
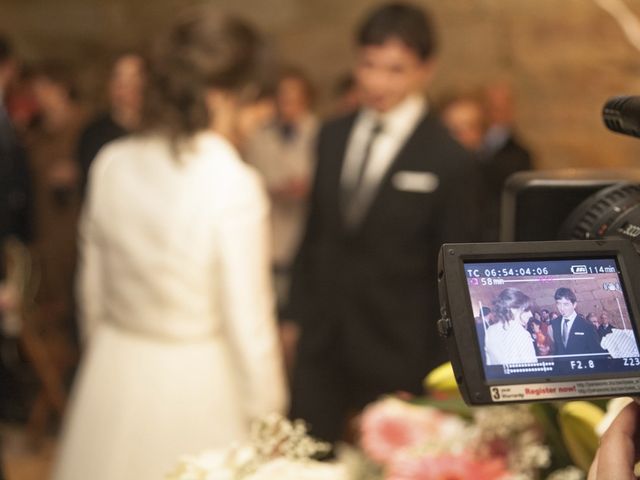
column 49, row 140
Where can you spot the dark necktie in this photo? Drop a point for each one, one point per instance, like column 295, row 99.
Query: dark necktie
column 565, row 331
column 352, row 197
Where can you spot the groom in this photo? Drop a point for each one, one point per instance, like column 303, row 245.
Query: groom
column 572, row 333
column 391, row 185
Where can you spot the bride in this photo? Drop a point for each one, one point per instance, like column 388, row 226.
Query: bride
column 174, row 286
column 508, row 341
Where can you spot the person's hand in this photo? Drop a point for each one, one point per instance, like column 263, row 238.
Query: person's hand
column 618, row 450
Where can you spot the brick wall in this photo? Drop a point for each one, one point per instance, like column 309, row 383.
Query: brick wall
column 565, row 57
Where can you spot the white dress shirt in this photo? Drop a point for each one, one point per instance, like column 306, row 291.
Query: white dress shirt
column 397, row 125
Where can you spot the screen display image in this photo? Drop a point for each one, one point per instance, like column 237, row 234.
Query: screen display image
column 554, row 318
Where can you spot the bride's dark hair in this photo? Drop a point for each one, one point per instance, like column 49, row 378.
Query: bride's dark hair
column 506, row 300
column 203, row 49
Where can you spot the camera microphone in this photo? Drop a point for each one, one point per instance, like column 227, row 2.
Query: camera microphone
column 622, row 114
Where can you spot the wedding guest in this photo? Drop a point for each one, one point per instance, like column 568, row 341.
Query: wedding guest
column 466, row 117
column 503, row 153
column 545, row 317
column 604, row 327
column 507, row 340
column 592, row 318
column 346, row 95
column 463, row 114
column 15, row 178
column 390, row 186
column 21, row 103
column 501, row 136
column 174, row 283
column 15, row 182
column 283, row 154
column 125, row 92
column 542, row 342
column 15, row 212
column 51, row 149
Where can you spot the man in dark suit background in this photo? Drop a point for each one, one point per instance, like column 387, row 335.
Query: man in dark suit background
column 503, row 153
column 572, row 333
column 391, row 185
column 15, row 205
column 605, row 327
column 15, row 188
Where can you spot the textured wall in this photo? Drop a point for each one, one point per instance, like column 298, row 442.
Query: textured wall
column 565, row 57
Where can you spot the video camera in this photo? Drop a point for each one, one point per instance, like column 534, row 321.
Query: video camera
column 551, row 311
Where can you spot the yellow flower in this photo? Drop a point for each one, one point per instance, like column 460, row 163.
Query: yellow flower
column 578, row 421
column 442, row 380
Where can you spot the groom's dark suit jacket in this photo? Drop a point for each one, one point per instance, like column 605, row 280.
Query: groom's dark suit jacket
column 366, row 297
column 583, row 337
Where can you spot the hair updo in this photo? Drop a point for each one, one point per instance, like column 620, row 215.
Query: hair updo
column 204, row 49
column 507, row 299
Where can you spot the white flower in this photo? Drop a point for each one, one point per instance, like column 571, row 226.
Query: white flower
column 569, row 473
column 284, row 469
column 277, row 450
column 207, row 466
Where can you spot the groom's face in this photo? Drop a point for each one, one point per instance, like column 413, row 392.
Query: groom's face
column 387, row 74
column 565, row 306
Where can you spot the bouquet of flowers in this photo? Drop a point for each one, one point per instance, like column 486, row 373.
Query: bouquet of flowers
column 431, row 438
column 413, row 441
column 277, row 449
column 438, row 437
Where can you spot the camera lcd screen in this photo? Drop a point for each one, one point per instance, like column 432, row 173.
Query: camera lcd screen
column 544, row 319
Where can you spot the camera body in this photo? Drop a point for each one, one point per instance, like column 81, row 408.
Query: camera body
column 488, row 296
column 538, row 318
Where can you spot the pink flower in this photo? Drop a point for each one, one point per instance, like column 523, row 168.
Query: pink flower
column 445, row 467
column 391, row 425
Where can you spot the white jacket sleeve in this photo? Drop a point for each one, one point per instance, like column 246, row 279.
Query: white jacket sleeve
column 247, row 296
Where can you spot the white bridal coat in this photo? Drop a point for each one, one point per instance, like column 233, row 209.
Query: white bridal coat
column 176, row 309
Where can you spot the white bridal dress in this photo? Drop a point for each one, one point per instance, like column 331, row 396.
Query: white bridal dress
column 176, row 309
column 509, row 343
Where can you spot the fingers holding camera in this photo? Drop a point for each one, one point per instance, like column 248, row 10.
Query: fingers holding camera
column 618, row 450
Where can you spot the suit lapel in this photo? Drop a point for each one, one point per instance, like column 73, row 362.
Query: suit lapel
column 334, row 157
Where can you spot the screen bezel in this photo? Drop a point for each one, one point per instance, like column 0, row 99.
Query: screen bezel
column 463, row 342
column 560, row 377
